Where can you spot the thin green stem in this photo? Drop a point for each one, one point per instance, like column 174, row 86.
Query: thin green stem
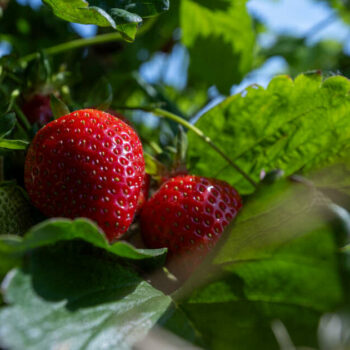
column 22, row 117
column 74, row 44
column 165, row 114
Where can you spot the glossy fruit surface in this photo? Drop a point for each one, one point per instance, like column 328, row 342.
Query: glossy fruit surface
column 87, row 164
column 188, row 214
column 143, row 193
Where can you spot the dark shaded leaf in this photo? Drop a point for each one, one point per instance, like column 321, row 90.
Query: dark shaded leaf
column 68, row 296
column 220, row 39
column 58, row 107
column 101, row 95
column 7, row 123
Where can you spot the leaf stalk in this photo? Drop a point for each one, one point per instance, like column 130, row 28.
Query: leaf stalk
column 74, row 44
column 165, row 114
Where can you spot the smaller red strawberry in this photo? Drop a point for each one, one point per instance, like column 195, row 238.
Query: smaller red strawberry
column 188, row 215
column 37, row 109
column 143, row 193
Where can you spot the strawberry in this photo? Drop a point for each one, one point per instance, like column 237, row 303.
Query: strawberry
column 15, row 210
column 37, row 109
column 147, row 179
column 188, row 214
column 87, row 164
column 143, row 193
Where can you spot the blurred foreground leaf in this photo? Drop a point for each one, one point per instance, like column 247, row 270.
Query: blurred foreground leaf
column 7, row 123
column 14, row 144
column 279, row 261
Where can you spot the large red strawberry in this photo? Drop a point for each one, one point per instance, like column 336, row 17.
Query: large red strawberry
column 188, row 215
column 147, row 179
column 37, row 109
column 89, row 164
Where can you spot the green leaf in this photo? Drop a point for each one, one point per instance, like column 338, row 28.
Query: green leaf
column 342, row 7
column 14, row 144
column 279, row 261
column 57, row 230
column 334, row 176
column 176, row 322
column 121, row 15
column 101, row 95
column 58, row 107
column 68, row 296
column 79, row 11
column 7, row 123
column 153, row 166
column 292, row 125
column 220, row 39
column 144, row 8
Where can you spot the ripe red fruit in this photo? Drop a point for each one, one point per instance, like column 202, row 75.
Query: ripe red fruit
column 86, row 164
column 188, row 215
column 147, row 179
column 37, row 109
column 143, row 193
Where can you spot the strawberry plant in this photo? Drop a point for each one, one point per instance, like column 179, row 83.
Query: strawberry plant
column 148, row 202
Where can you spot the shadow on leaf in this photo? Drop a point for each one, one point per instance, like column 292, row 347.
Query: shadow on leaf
column 80, row 274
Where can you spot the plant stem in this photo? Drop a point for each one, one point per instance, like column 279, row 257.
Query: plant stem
column 74, row 44
column 165, row 114
column 22, row 117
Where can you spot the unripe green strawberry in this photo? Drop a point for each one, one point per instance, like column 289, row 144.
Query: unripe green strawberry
column 15, row 210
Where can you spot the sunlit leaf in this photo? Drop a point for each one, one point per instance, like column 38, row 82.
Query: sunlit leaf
column 121, row 15
column 292, row 125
